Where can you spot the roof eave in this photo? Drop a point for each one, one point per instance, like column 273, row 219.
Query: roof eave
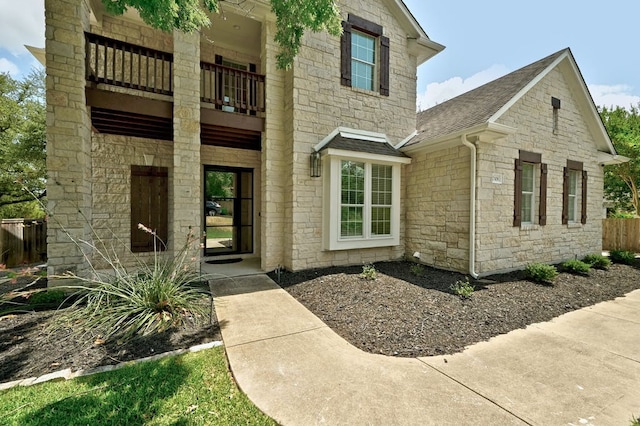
column 485, row 132
column 424, row 48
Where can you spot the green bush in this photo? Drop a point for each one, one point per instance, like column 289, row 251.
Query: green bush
column 46, row 297
column 369, row 272
column 153, row 299
column 576, row 266
column 597, row 261
column 464, row 289
column 417, row 269
column 541, row 272
column 622, row 256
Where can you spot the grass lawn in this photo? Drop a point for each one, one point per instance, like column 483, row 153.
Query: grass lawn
column 194, row 388
column 222, row 232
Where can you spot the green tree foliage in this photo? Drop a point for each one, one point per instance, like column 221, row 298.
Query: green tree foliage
column 622, row 181
column 292, row 18
column 22, row 144
column 219, row 185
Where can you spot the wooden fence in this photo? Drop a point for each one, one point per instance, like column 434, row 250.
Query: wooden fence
column 621, row 234
column 22, row 241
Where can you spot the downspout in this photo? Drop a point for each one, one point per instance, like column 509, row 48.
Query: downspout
column 472, row 207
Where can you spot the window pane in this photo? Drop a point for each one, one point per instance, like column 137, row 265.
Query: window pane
column 381, row 183
column 352, row 183
column 527, row 208
column 527, row 177
column 573, row 191
column 381, row 221
column 351, row 222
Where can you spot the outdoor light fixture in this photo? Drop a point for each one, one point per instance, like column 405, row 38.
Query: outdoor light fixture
column 315, row 164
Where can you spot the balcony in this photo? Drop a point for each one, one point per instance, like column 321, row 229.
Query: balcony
column 232, row 100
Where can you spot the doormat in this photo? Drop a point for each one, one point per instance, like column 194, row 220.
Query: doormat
column 223, row 261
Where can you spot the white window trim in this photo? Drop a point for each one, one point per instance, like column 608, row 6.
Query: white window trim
column 332, row 240
column 373, row 65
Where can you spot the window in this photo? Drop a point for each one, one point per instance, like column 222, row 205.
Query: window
column 530, row 198
column 149, row 206
column 365, row 56
column 574, row 193
column 362, row 207
column 363, row 60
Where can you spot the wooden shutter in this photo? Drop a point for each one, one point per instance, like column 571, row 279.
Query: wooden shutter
column 517, row 196
column 149, row 206
column 542, row 212
column 565, row 196
column 345, row 54
column 219, row 93
column 583, row 218
column 384, row 66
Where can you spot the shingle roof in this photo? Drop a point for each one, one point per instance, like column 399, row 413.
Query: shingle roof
column 362, row 145
column 478, row 105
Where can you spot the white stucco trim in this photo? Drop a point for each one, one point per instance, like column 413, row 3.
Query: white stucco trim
column 331, row 212
column 485, row 132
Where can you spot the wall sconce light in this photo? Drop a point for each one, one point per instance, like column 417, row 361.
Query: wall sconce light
column 315, row 164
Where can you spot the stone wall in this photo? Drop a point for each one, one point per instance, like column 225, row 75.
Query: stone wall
column 501, row 246
column 437, row 208
column 68, row 136
column 112, row 158
column 321, row 104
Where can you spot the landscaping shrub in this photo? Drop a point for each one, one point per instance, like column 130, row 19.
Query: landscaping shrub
column 576, row 266
column 597, row 261
column 153, row 299
column 369, row 272
column 46, row 297
column 622, row 256
column 541, row 272
column 464, row 289
column 417, row 269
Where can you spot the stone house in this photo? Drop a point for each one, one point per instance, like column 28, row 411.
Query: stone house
column 143, row 124
column 314, row 166
column 512, row 170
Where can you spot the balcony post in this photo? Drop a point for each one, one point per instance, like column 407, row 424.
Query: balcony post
column 185, row 205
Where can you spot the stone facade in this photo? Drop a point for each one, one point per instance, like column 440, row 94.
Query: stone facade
column 501, row 246
column 437, row 208
column 320, row 105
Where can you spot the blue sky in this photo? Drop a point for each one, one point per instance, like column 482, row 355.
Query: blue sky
column 484, row 40
column 487, row 39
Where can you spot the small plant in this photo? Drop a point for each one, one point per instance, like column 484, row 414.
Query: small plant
column 369, row 272
column 150, row 300
column 46, row 297
column 541, row 272
column 622, row 256
column 597, row 261
column 417, row 269
column 575, row 266
column 464, row 289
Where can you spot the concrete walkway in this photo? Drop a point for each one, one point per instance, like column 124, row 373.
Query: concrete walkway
column 582, row 368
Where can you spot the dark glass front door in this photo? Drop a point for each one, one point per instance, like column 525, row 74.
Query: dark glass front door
column 228, row 209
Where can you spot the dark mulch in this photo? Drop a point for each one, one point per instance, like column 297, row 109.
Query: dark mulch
column 30, row 348
column 406, row 315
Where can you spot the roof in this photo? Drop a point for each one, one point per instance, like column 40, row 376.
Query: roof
column 479, row 105
column 362, row 145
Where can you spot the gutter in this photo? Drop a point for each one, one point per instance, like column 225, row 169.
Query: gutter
column 472, row 206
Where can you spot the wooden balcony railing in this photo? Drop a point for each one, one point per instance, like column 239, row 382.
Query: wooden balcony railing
column 231, row 89
column 124, row 64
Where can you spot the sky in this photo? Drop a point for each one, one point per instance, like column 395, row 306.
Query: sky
column 484, row 40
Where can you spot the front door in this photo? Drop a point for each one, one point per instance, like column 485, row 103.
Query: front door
column 228, row 209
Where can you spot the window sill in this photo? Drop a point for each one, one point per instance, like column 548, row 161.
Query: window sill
column 366, row 92
column 361, row 243
column 529, row 227
column 572, row 225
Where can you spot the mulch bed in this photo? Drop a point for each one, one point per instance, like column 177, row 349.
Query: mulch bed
column 30, row 348
column 402, row 314
column 398, row 314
